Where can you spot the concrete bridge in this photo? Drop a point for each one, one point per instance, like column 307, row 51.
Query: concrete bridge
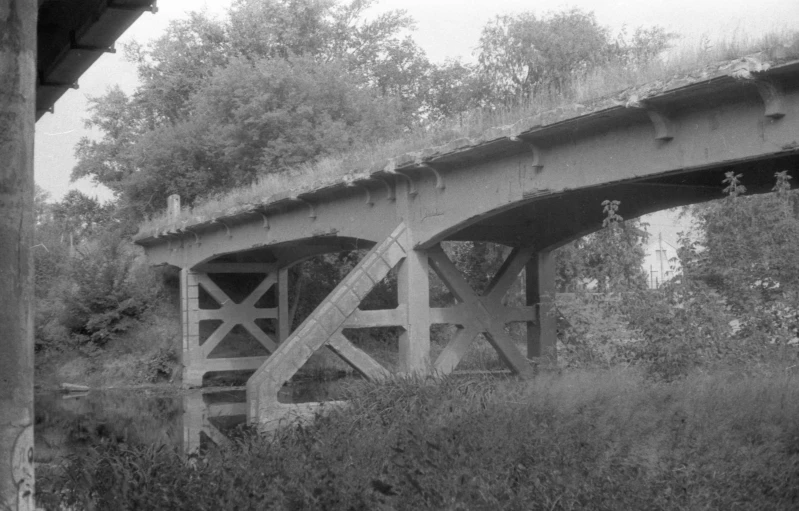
column 532, row 186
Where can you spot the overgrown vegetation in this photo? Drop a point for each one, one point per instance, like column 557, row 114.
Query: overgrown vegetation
column 89, row 284
column 97, row 300
column 583, row 440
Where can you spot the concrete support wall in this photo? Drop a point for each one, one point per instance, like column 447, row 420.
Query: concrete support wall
column 17, row 118
column 540, row 285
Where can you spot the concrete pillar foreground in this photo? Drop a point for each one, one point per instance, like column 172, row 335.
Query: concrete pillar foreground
column 17, row 119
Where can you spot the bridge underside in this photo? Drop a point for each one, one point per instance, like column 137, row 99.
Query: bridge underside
column 247, row 294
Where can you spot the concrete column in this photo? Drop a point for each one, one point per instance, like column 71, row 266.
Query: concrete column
column 17, row 119
column 413, row 288
column 191, row 356
column 283, row 326
column 540, row 280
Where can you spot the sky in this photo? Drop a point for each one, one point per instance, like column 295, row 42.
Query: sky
column 444, row 29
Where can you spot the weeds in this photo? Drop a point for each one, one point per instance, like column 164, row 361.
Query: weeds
column 581, row 440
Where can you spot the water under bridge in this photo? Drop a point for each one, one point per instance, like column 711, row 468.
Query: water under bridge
column 532, row 186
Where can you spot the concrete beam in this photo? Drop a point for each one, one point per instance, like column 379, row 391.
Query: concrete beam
column 481, row 314
column 17, row 118
column 692, row 142
column 324, row 326
column 377, row 318
column 195, row 356
column 356, row 357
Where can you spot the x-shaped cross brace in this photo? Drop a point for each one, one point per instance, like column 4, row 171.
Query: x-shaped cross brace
column 232, row 314
column 483, row 314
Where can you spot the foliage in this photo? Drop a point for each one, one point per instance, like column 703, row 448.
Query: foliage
column 80, row 215
column 108, row 291
column 608, row 259
column 602, row 440
column 747, row 241
column 522, row 55
column 682, row 325
column 88, row 285
column 109, row 161
column 256, row 117
column 276, row 84
column 735, row 298
column 594, row 331
column 173, row 68
column 160, row 366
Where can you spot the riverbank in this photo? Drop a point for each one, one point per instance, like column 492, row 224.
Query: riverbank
column 612, row 439
column 147, row 355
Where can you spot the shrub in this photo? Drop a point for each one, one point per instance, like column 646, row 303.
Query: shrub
column 584, row 440
column 99, row 294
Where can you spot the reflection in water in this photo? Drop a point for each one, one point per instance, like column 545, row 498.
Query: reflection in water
column 210, row 415
column 69, row 423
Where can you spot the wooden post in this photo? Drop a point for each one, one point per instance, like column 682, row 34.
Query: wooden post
column 542, row 336
column 17, row 119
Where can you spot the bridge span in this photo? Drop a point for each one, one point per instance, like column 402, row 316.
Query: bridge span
column 532, row 186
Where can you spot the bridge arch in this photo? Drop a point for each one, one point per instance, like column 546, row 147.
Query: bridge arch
column 289, row 253
column 552, row 220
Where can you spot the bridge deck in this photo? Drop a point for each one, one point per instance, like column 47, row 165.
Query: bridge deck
column 652, row 140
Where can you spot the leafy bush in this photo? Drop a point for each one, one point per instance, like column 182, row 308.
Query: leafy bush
column 99, row 294
column 160, row 366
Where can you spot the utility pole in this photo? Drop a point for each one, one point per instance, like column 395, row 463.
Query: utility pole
column 17, row 120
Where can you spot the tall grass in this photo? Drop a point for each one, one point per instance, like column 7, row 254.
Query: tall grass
column 602, row 87
column 582, row 440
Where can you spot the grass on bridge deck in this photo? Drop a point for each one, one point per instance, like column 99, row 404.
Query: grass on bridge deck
column 597, row 90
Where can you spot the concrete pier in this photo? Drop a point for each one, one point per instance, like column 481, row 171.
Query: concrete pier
column 17, row 119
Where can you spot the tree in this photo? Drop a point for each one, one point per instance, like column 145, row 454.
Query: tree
column 611, row 257
column 81, row 215
column 175, row 65
column 522, row 55
column 328, row 31
column 279, row 83
column 453, row 88
column 749, row 242
column 109, row 161
column 254, row 117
